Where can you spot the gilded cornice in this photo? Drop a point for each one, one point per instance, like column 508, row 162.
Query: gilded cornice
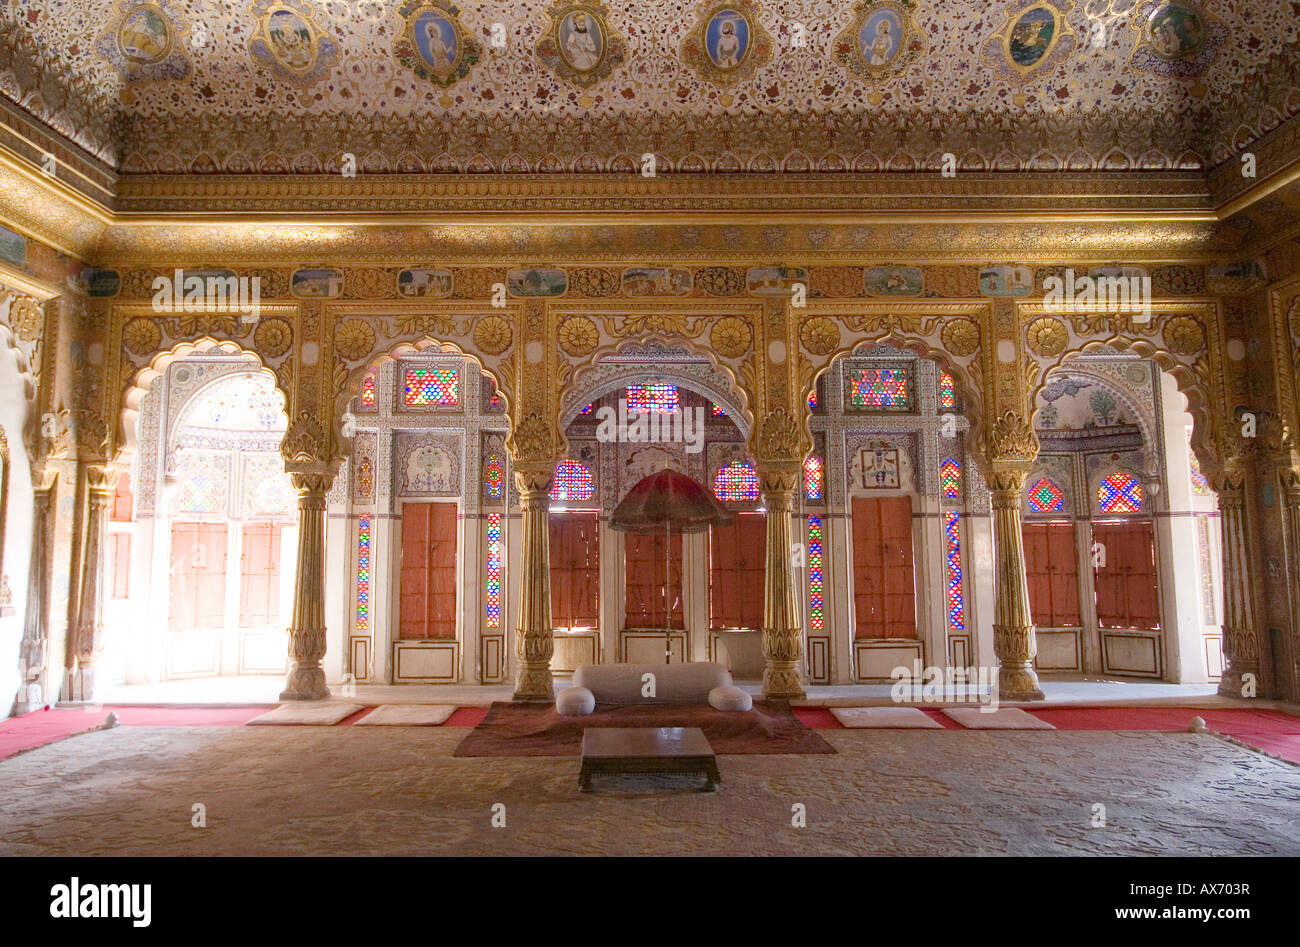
column 48, row 210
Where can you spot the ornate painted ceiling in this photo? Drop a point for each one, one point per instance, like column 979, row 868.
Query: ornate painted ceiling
column 281, row 86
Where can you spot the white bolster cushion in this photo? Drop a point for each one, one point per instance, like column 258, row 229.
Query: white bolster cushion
column 674, row 683
column 575, row 702
column 730, row 698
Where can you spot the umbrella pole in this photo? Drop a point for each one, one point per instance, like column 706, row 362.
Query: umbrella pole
column 668, row 602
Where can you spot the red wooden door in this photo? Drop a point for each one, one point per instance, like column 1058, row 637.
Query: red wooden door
column 1052, row 567
column 1128, row 594
column 884, row 572
column 428, row 590
column 198, row 576
column 575, row 569
column 259, row 578
column 737, row 566
column 644, row 575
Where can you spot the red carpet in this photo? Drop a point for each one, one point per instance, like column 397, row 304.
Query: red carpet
column 45, row 726
column 1266, row 730
column 466, row 717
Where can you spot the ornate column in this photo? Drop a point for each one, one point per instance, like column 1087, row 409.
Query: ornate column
column 33, row 653
column 306, row 680
column 782, row 630
column 88, row 634
column 1240, row 642
column 310, row 461
column 1013, row 448
column 1290, row 481
column 534, row 643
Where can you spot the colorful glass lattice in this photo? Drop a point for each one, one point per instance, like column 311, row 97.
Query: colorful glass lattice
column 494, row 476
column 198, row 494
column 736, row 481
column 1119, row 493
column 956, row 603
column 950, row 478
column 652, row 398
column 1045, row 496
column 947, row 391
column 573, row 481
column 432, row 386
column 363, row 573
column 816, row 602
column 588, row 408
column 878, row 388
column 1200, row 486
column 719, row 411
column 368, row 391
column 494, row 571
column 812, row 477
column 812, row 400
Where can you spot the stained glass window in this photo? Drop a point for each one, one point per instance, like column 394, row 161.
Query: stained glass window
column 816, row 602
column 878, row 388
column 718, row 411
column 573, row 481
column 1200, row 486
column 956, row 604
column 1119, row 493
column 368, row 391
column 198, row 494
column 652, row 398
column 242, row 402
column 1045, row 496
column 494, row 571
column 494, row 476
column 432, row 386
column 365, row 479
column 736, row 481
column 950, row 478
column 947, row 391
column 812, row 400
column 363, row 573
column 812, row 477
column 587, row 409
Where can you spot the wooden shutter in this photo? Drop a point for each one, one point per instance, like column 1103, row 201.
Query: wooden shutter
column 198, row 576
column 884, row 571
column 1127, row 587
column 428, row 575
column 737, row 564
column 1052, row 567
column 575, row 569
column 259, row 575
column 644, row 577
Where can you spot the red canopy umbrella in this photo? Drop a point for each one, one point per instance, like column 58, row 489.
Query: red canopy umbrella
column 665, row 500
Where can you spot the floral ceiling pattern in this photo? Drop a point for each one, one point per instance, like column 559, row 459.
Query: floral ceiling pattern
column 192, row 86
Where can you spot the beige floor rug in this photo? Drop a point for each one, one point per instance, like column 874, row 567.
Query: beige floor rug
column 885, row 718
column 317, row 713
column 399, row 791
column 407, row 715
column 1004, row 718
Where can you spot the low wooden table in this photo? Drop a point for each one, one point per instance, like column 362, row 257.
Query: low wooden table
column 647, row 750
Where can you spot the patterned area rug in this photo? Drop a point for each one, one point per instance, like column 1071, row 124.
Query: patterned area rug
column 537, row 730
column 400, row 791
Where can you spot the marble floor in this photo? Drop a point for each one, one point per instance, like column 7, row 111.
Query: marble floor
column 346, row 791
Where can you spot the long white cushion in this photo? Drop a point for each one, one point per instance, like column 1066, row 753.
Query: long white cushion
column 574, row 702
column 673, row 683
column 730, row 698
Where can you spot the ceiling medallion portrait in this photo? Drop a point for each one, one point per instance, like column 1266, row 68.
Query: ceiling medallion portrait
column 579, row 46
column 881, row 39
column 1176, row 39
column 288, row 42
column 728, row 44
column 433, row 44
column 1035, row 36
column 144, row 42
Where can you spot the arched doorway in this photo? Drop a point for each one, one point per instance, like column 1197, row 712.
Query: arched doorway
column 1120, row 527
column 203, row 527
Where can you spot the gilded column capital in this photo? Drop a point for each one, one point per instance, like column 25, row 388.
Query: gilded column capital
column 534, row 483
column 1011, row 442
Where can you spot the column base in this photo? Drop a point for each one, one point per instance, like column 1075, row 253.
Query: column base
column 1232, row 685
column 305, row 683
column 78, row 685
column 783, row 683
column 1018, row 682
column 534, row 684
